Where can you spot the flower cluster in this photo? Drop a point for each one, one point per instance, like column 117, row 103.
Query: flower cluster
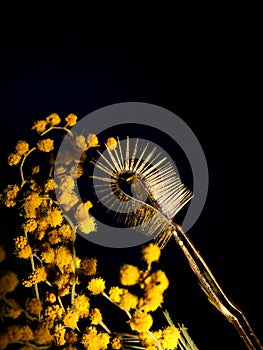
column 59, row 303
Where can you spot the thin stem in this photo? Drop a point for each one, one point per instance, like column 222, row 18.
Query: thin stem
column 57, row 128
column 33, row 269
column 22, row 164
column 60, row 302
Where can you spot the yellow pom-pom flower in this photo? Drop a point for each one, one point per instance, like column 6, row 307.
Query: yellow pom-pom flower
column 141, row 321
column 22, row 147
column 129, row 275
column 39, row 126
column 111, row 143
column 95, row 316
column 71, row 119
column 13, row 159
column 151, row 253
column 53, row 119
column 170, row 338
column 96, row 286
column 45, row 145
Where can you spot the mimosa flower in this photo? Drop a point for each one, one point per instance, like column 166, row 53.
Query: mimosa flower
column 151, row 253
column 39, row 126
column 45, row 145
column 129, row 275
column 141, row 321
column 96, row 286
column 22, row 147
column 71, row 119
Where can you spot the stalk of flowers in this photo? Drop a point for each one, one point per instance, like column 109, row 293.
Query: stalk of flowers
column 60, row 309
column 140, row 307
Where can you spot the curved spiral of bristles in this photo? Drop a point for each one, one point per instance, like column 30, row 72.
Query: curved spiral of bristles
column 157, row 192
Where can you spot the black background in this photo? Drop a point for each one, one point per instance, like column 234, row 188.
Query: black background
column 209, row 79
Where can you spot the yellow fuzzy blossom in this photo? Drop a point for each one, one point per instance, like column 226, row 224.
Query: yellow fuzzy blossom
column 116, row 343
column 64, row 259
column 22, row 147
column 152, row 299
column 67, row 184
column 170, row 338
column 54, row 237
column 115, row 294
column 34, row 306
column 45, row 145
column 111, row 143
column 42, row 223
column 92, row 141
column 53, row 119
column 71, row 119
column 95, row 316
column 53, row 312
column 42, row 335
column 38, row 275
column 123, row 298
column 128, row 300
column 49, row 185
column 39, row 126
column 48, row 256
column 88, row 225
column 80, row 142
column 65, row 233
column 19, row 333
column 151, row 253
column 88, row 266
column 31, row 204
column 23, row 249
column 39, row 234
column 77, row 171
column 30, row 225
column 10, row 309
column 129, row 275
column 96, row 285
column 54, row 217
column 2, row 253
column 13, row 159
column 81, row 213
column 70, row 318
column 25, row 252
column 141, row 321
column 50, row 297
column 59, row 334
column 157, row 280
column 88, row 205
column 20, row 242
column 9, row 195
column 81, row 305
column 68, row 200
column 8, row 283
column 92, row 340
column 63, row 282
